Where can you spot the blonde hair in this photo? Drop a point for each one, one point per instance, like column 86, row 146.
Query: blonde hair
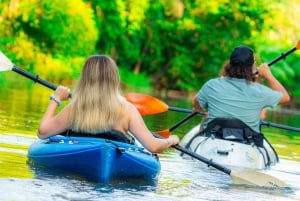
column 97, row 103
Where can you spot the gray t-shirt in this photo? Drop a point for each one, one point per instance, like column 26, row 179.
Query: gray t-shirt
column 235, row 98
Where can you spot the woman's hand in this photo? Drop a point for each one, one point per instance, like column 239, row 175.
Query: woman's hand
column 173, row 140
column 62, row 93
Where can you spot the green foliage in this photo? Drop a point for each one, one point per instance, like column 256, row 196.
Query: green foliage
column 49, row 37
column 133, row 80
column 174, row 44
column 279, row 35
column 58, row 26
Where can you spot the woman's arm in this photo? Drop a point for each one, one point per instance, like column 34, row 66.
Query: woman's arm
column 52, row 124
column 139, row 129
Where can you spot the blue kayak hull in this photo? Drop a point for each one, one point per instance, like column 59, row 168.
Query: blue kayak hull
column 95, row 159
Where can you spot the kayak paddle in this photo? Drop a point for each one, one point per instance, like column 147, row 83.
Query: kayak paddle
column 283, row 55
column 139, row 98
column 247, row 177
column 167, row 132
column 6, row 64
column 146, row 105
column 280, row 126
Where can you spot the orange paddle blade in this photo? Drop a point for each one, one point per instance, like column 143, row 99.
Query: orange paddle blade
column 298, row 45
column 146, row 105
column 164, row 133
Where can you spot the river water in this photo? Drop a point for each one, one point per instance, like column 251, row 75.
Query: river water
column 22, row 105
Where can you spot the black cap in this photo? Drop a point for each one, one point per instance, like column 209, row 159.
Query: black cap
column 242, row 56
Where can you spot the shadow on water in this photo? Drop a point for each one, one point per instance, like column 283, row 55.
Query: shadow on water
column 49, row 184
column 42, row 173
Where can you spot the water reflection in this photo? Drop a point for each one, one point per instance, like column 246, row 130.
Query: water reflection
column 41, row 173
column 21, row 108
column 180, row 179
column 13, row 156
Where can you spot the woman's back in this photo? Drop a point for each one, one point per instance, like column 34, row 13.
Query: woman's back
column 97, row 106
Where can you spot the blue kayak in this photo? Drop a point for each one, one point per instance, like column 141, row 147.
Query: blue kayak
column 95, row 159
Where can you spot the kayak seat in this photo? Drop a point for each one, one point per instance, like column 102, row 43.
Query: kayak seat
column 109, row 135
column 234, row 130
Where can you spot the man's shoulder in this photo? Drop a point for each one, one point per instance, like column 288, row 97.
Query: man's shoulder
column 216, row 80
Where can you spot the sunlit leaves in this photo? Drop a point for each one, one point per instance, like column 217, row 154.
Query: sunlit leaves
column 188, row 24
column 59, row 26
column 49, row 37
column 136, row 15
column 173, row 8
column 170, row 41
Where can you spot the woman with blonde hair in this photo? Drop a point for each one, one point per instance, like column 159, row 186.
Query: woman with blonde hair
column 97, row 107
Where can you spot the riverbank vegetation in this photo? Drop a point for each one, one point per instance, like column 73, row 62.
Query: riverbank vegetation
column 159, row 44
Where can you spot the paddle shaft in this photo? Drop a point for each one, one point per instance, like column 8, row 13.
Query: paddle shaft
column 177, row 109
column 209, row 162
column 282, row 56
column 35, row 78
column 182, row 121
column 199, row 157
column 270, row 124
column 167, row 132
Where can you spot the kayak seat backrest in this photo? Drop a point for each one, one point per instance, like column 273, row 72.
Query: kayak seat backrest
column 234, row 130
column 110, row 135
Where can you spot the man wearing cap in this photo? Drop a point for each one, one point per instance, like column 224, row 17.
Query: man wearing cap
column 236, row 95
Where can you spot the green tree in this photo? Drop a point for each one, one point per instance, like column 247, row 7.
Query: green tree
column 49, row 33
column 176, row 44
column 279, row 35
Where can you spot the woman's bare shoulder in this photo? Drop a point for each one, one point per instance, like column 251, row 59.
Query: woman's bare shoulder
column 130, row 107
